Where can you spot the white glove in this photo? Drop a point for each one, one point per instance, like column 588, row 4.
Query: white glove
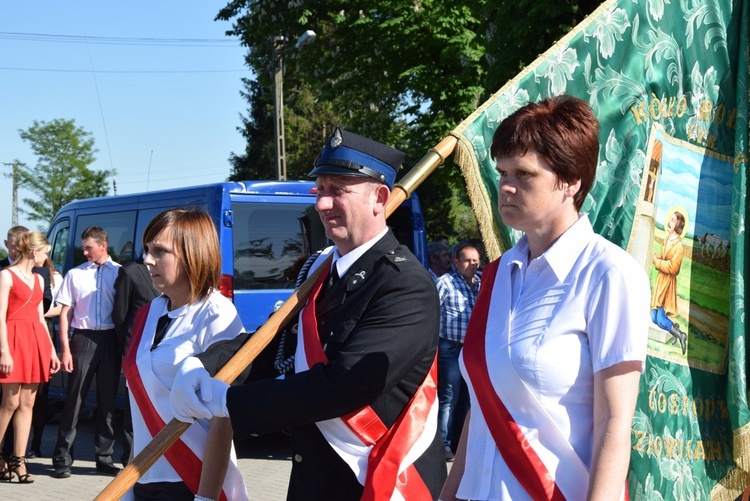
column 195, row 394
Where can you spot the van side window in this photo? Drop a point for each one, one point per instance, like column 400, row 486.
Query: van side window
column 58, row 239
column 120, row 228
column 402, row 224
column 271, row 244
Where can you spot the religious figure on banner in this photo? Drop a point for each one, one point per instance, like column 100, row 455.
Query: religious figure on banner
column 667, row 263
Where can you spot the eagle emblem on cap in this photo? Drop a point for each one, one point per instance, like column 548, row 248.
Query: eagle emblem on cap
column 337, row 139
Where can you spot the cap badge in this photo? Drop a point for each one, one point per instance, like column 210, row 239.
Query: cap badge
column 336, row 140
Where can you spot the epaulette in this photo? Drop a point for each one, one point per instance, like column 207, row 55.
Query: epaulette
column 396, row 256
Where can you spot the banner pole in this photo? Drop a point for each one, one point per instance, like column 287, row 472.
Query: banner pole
column 258, row 341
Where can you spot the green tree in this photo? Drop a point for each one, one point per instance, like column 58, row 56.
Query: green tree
column 61, row 174
column 403, row 72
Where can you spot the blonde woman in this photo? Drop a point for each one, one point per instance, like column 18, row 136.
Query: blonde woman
column 27, row 355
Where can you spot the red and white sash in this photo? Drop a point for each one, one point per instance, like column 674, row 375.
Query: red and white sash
column 382, row 459
column 532, row 446
column 184, row 456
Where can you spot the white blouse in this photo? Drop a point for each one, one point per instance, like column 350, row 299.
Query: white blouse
column 192, row 330
column 580, row 307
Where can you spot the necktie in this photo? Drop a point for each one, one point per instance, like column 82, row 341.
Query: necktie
column 161, row 330
column 334, row 275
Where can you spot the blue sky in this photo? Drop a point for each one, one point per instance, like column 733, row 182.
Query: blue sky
column 700, row 184
column 179, row 100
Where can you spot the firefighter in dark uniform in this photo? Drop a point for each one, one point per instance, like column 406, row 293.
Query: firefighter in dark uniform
column 360, row 403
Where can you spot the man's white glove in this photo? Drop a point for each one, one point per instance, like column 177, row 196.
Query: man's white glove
column 195, row 394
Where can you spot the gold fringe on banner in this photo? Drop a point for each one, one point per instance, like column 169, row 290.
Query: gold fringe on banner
column 731, row 486
column 738, row 479
column 465, row 158
column 741, row 446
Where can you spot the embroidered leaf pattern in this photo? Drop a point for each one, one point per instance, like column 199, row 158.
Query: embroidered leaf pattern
column 558, row 70
column 609, row 30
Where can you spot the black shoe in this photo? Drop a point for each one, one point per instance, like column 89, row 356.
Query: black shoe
column 107, row 468
column 33, row 453
column 680, row 336
column 61, row 472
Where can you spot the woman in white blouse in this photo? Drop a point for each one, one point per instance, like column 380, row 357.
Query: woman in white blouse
column 183, row 257
column 557, row 338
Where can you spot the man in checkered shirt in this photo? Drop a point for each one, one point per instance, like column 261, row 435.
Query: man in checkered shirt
column 458, row 292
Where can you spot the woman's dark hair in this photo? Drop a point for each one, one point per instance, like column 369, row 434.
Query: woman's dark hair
column 563, row 130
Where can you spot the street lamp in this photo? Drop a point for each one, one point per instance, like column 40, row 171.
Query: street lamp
column 277, row 65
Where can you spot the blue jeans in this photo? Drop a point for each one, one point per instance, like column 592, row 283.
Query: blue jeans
column 659, row 317
column 454, row 403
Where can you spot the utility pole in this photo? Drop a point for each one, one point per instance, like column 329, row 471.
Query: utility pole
column 277, row 70
column 14, row 175
column 277, row 67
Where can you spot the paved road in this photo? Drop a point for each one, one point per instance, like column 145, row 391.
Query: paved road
column 264, row 462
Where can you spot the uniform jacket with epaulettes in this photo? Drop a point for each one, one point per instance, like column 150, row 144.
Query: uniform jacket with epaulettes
column 379, row 325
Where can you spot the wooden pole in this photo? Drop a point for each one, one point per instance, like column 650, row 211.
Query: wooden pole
column 258, row 341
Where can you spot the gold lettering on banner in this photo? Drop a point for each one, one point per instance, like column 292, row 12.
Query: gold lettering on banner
column 681, row 106
column 697, row 406
column 640, row 440
column 639, row 112
column 724, row 410
column 720, row 114
column 732, row 117
column 673, row 447
column 677, row 448
column 674, row 404
column 740, row 159
column 655, row 108
column 714, row 451
column 699, row 454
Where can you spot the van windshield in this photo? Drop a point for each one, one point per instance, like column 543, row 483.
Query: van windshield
column 271, row 244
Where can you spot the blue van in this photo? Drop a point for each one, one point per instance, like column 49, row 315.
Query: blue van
column 267, row 229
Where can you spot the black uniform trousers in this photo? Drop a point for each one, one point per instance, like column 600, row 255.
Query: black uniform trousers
column 95, row 354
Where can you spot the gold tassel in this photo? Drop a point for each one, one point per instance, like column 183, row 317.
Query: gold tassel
column 480, row 199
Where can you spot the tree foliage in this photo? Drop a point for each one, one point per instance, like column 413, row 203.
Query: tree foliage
column 61, row 174
column 403, row 72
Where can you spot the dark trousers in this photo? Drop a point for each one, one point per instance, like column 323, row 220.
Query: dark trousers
column 39, row 417
column 452, row 393
column 39, row 413
column 94, row 355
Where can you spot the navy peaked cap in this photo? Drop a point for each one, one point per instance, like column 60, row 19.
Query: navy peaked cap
column 348, row 154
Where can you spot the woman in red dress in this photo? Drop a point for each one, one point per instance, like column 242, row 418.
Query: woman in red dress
column 27, row 355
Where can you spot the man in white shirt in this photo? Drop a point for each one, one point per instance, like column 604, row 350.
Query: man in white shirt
column 87, row 297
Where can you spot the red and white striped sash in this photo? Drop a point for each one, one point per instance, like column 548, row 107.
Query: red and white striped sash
column 531, row 457
column 185, row 455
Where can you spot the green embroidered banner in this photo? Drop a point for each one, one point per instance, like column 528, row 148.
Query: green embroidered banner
column 668, row 81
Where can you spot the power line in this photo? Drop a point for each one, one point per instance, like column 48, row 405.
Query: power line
column 57, row 70
column 179, row 42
